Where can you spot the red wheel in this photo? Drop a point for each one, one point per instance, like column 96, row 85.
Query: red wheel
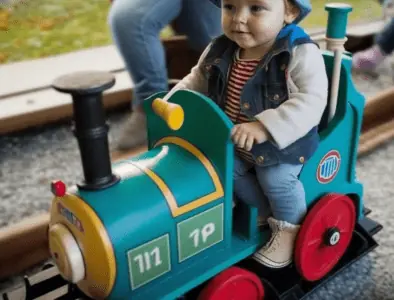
column 234, row 283
column 324, row 236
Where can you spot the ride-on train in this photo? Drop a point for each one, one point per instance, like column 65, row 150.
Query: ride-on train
column 161, row 225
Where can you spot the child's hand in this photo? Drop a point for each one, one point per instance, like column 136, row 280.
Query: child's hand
column 246, row 134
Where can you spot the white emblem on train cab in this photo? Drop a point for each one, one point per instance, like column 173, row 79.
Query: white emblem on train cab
column 328, row 167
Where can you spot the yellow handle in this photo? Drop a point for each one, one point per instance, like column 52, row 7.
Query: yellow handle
column 171, row 113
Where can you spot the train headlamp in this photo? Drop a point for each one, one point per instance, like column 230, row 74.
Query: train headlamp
column 58, row 188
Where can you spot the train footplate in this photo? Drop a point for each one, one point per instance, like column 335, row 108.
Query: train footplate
column 294, row 287
column 47, row 284
column 50, row 284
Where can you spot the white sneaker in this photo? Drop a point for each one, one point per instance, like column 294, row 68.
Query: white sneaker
column 134, row 132
column 278, row 252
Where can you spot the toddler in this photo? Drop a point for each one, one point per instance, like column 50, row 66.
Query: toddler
column 270, row 79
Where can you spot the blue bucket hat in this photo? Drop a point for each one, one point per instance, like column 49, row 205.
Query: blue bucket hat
column 304, row 6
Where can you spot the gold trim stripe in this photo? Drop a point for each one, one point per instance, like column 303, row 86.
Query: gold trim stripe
column 175, row 210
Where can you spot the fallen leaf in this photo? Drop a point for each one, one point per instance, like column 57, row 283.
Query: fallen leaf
column 4, row 14
column 4, row 20
column 3, row 57
column 47, row 24
column 18, row 43
column 3, row 26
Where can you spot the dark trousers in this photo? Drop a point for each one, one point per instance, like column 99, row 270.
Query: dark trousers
column 385, row 39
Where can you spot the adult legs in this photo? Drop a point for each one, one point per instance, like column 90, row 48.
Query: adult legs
column 385, row 39
column 370, row 58
column 200, row 21
column 135, row 27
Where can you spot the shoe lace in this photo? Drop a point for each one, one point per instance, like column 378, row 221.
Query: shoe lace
column 273, row 243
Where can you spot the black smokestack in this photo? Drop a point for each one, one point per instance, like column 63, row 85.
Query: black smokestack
column 90, row 128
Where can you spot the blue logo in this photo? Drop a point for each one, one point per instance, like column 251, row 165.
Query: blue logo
column 328, row 167
column 70, row 216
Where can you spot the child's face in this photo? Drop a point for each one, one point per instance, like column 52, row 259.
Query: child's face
column 254, row 24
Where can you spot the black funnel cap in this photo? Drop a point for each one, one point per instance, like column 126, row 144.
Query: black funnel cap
column 90, row 128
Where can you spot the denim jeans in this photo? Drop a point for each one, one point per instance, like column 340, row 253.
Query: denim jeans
column 135, row 26
column 385, row 39
column 274, row 190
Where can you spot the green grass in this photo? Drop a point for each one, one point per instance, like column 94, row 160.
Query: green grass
column 363, row 10
column 40, row 28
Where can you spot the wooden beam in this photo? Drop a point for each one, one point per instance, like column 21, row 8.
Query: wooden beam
column 376, row 136
column 378, row 121
column 365, row 28
column 47, row 106
column 37, row 74
column 379, row 109
column 18, row 263
column 21, row 237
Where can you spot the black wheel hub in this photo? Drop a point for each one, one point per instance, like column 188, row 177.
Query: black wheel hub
column 332, row 236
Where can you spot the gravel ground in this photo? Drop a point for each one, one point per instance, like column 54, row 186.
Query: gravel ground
column 30, row 160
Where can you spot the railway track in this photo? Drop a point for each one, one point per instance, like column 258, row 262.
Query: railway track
column 25, row 244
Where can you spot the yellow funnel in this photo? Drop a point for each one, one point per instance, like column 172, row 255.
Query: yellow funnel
column 171, row 113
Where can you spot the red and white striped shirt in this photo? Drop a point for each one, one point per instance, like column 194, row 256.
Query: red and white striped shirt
column 241, row 71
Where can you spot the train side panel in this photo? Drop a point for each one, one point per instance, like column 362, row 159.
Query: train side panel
column 332, row 168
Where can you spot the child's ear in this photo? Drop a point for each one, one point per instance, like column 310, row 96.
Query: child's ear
column 291, row 12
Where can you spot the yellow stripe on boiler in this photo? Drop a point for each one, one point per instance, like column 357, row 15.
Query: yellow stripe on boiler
column 168, row 195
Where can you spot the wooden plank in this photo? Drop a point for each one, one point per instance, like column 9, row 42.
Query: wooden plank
column 378, row 121
column 37, row 74
column 43, row 107
column 21, row 237
column 46, row 106
column 380, row 109
column 364, row 29
column 17, row 264
column 376, row 136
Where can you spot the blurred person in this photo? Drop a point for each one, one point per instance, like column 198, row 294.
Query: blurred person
column 369, row 59
column 135, row 26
